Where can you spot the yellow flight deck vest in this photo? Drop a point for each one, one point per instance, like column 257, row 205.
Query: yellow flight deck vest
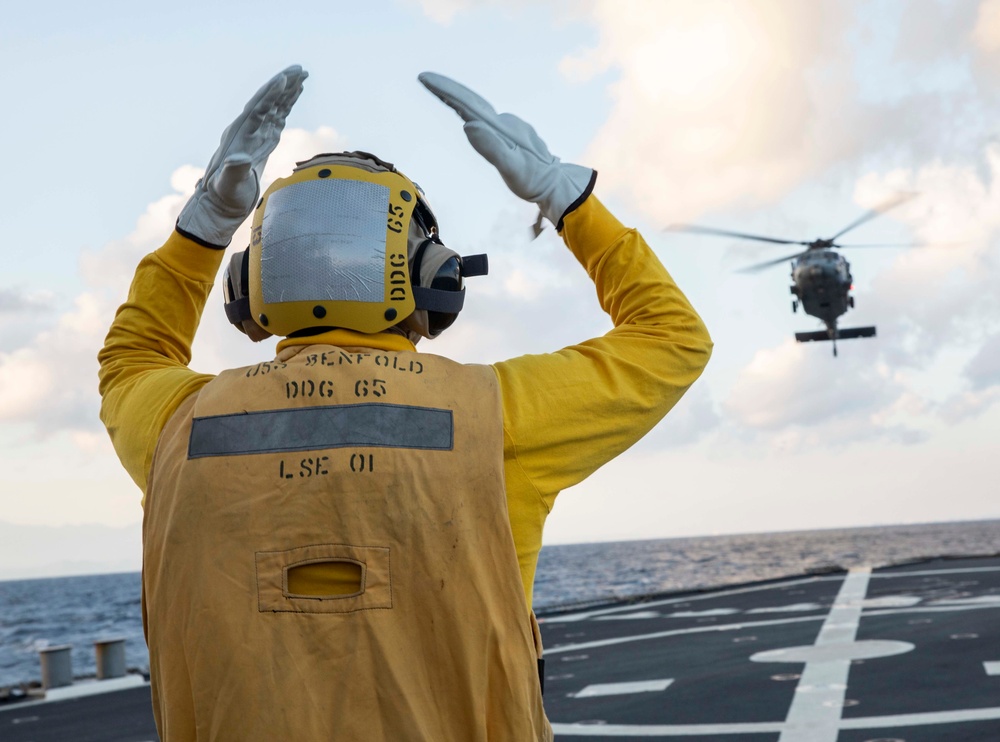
column 327, row 556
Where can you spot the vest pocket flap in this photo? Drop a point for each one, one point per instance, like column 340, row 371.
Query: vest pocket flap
column 324, row 578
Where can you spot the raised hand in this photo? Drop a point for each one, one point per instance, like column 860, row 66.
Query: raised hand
column 226, row 194
column 513, row 147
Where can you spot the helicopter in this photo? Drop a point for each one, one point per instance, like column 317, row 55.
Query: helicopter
column 821, row 277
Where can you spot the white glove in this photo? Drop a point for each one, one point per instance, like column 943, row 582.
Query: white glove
column 228, row 191
column 512, row 147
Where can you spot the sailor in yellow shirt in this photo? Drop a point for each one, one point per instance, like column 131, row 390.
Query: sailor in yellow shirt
column 340, row 542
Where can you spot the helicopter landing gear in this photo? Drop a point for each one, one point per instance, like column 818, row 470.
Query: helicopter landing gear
column 795, row 306
column 850, row 300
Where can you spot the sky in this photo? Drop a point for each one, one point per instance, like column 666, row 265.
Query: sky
column 775, row 117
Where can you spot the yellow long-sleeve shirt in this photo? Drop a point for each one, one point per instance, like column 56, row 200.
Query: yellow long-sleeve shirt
column 565, row 414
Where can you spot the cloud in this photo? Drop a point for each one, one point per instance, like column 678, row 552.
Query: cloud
column 18, row 301
column 934, row 32
column 788, row 396
column 536, row 299
column 728, row 106
column 22, row 314
column 45, row 383
column 693, row 418
column 718, row 103
column 49, row 381
column 445, row 11
column 984, row 370
column 931, row 303
column 297, row 145
column 948, row 293
column 983, row 376
column 986, row 33
column 968, row 405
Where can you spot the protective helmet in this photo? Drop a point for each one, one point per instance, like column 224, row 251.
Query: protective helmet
column 346, row 241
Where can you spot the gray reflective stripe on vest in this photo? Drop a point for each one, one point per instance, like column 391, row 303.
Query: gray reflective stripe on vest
column 316, row 428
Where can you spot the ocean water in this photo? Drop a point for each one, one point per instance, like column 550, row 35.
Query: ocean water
column 81, row 610
column 35, row 614
column 609, row 571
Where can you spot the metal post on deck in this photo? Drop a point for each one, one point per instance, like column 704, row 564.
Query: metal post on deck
column 57, row 666
column 110, row 658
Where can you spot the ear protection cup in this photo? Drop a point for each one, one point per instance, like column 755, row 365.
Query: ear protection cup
column 236, row 283
column 437, row 274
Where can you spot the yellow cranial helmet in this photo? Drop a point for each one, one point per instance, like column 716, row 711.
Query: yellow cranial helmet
column 334, row 245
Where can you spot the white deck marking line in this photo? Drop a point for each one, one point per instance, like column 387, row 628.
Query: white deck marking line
column 664, row 730
column 621, row 689
column 933, row 609
column 704, row 614
column 584, row 615
column 747, row 625
column 793, row 608
column 814, row 715
column 977, row 600
column 755, row 588
column 922, row 719
column 839, row 625
column 762, row 727
column 931, row 572
column 863, row 650
column 739, row 591
column 892, row 601
column 630, row 616
column 675, row 632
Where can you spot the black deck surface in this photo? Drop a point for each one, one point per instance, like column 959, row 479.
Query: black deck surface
column 121, row 716
column 902, row 654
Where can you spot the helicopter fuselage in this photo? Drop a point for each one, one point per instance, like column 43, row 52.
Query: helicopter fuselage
column 822, row 283
column 821, row 276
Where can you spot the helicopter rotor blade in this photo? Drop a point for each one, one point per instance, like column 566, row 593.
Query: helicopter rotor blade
column 726, row 233
column 756, row 267
column 905, row 244
column 892, row 203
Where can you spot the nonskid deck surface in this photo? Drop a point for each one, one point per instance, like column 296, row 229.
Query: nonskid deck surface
column 117, row 716
column 901, row 654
